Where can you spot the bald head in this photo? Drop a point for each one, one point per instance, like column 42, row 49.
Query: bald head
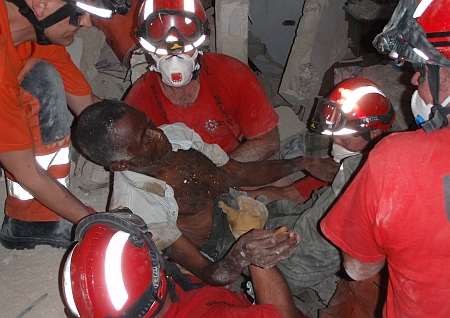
column 95, row 133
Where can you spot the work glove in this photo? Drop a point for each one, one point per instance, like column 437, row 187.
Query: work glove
column 251, row 214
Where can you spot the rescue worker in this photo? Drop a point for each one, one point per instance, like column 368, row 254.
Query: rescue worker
column 38, row 81
column 356, row 114
column 396, row 211
column 172, row 179
column 115, row 270
column 215, row 95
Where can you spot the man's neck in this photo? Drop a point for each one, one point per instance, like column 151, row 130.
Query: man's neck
column 21, row 29
column 181, row 96
column 150, row 165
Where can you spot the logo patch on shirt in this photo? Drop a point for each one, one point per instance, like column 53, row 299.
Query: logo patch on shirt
column 211, row 125
column 447, row 195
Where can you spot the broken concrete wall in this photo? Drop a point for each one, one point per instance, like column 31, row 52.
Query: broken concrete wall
column 232, row 28
column 274, row 23
column 321, row 40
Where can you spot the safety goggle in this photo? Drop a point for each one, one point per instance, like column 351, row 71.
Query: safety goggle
column 329, row 119
column 168, row 29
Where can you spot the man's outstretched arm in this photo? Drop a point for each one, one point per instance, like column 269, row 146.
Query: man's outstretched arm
column 258, row 173
column 43, row 187
column 260, row 148
column 260, row 247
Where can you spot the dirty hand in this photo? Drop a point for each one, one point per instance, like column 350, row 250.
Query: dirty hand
column 321, row 168
column 264, row 248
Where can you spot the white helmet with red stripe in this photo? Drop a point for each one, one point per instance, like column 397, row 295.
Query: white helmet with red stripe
column 172, row 32
column 114, row 270
column 167, row 26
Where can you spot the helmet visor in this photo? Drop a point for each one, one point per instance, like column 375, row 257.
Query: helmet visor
column 165, row 27
column 327, row 117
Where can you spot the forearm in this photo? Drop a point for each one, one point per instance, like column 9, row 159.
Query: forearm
column 252, row 174
column 42, row 186
column 54, row 196
column 265, row 282
column 220, row 273
column 259, row 148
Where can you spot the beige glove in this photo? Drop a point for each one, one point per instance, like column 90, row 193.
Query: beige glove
column 252, row 214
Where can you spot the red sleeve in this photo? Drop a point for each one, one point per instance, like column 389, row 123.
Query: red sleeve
column 213, row 302
column 351, row 222
column 230, row 311
column 252, row 108
column 74, row 81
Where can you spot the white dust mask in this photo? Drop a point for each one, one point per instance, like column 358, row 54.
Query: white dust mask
column 421, row 110
column 176, row 70
column 339, row 153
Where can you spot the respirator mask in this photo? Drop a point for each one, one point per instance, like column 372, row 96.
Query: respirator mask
column 176, row 70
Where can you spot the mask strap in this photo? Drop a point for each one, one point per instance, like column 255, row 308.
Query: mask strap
column 438, row 116
column 433, row 82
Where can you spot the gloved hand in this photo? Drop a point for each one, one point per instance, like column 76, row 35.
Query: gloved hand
column 263, row 248
column 251, row 214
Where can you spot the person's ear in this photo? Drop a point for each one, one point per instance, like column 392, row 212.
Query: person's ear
column 120, row 165
column 39, row 7
column 150, row 137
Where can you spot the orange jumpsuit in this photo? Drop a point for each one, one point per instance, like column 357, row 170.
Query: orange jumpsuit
column 21, row 125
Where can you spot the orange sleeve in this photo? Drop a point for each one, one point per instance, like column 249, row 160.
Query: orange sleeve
column 14, row 131
column 74, row 81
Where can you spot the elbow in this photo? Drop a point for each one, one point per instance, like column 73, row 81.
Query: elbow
column 355, row 274
column 361, row 271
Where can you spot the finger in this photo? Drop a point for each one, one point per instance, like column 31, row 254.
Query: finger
column 261, row 244
column 255, row 234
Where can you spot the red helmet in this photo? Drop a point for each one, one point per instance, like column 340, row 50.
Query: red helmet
column 114, row 270
column 354, row 106
column 418, row 32
column 167, row 26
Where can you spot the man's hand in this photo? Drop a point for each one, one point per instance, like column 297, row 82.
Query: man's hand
column 264, row 248
column 321, row 168
column 261, row 248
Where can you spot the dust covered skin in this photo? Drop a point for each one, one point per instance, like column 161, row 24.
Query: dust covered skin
column 196, row 182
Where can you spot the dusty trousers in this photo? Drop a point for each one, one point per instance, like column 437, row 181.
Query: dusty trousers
column 44, row 101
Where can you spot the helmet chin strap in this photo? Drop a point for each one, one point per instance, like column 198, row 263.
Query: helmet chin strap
column 438, row 117
column 40, row 26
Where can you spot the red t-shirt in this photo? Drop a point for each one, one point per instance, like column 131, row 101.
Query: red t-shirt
column 398, row 209
column 217, row 302
column 231, row 103
column 15, row 133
